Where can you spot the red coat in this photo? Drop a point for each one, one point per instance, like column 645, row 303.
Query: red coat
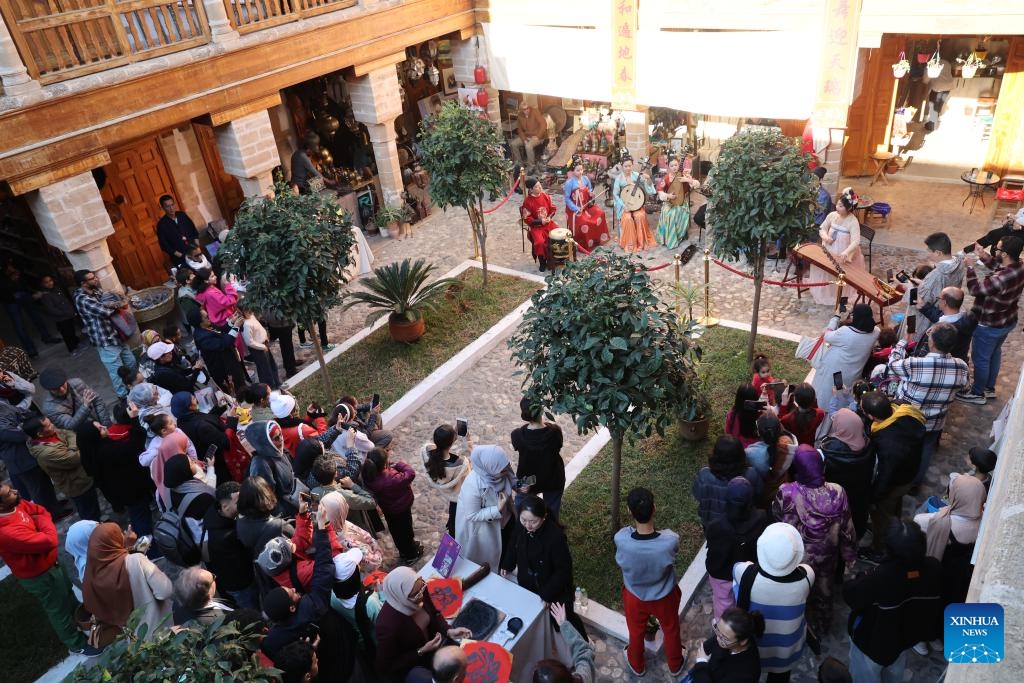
column 28, row 540
column 303, row 540
column 295, row 430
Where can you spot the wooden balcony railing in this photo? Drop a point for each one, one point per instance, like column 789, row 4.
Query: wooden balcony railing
column 59, row 39
column 252, row 15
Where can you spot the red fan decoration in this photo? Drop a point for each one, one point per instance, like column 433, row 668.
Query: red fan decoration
column 488, row 662
column 446, row 594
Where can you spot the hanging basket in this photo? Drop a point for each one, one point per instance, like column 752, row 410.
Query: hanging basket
column 900, row 71
column 934, row 70
column 968, row 70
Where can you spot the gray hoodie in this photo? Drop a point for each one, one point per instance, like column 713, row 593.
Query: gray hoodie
column 272, row 464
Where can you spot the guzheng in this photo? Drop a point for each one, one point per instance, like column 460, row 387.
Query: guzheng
column 867, row 285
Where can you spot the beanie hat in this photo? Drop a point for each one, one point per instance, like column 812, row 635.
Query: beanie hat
column 281, row 405
column 157, row 349
column 181, row 403
column 276, row 556
column 277, row 605
column 780, row 549
column 53, row 378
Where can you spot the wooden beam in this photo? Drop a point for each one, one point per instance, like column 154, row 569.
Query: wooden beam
column 360, row 70
column 96, row 159
column 44, row 135
column 228, row 115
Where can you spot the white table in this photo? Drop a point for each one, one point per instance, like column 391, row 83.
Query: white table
column 537, row 639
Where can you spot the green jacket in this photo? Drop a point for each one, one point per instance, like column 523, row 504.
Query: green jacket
column 62, row 462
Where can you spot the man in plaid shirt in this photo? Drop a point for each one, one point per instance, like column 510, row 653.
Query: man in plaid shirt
column 101, row 332
column 996, row 297
column 929, row 382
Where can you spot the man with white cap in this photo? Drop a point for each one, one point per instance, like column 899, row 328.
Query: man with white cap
column 777, row 586
column 286, row 413
column 69, row 403
column 166, row 373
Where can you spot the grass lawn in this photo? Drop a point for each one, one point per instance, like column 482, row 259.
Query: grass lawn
column 377, row 364
column 29, row 647
column 666, row 465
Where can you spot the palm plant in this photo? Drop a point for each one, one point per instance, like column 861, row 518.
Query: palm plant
column 400, row 291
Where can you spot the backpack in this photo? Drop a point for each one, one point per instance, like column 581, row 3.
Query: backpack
column 173, row 537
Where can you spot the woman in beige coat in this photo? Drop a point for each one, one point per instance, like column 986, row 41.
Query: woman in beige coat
column 118, row 582
column 485, row 510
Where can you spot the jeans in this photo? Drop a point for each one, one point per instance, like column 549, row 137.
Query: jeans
column 928, row 448
column 987, row 355
column 266, row 367
column 114, row 357
column 141, row 518
column 666, row 611
column 87, row 505
column 52, row 589
column 863, row 669
column 400, row 526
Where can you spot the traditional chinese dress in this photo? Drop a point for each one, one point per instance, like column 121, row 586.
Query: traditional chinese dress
column 634, row 230
column 589, row 227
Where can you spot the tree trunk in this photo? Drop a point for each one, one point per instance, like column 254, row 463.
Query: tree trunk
column 758, row 280
column 471, row 211
column 324, row 375
column 616, row 475
column 476, row 220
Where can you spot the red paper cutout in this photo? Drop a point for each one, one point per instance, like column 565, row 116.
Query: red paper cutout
column 488, row 662
column 446, row 594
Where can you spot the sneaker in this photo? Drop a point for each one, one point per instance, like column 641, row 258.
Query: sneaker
column 921, row 648
column 990, row 393
column 625, row 658
column 328, row 347
column 871, row 556
column 306, row 345
column 971, row 397
column 86, row 650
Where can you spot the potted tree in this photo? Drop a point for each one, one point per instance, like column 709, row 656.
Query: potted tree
column 387, row 219
column 400, row 291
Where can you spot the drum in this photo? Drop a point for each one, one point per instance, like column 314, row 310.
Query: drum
column 559, row 247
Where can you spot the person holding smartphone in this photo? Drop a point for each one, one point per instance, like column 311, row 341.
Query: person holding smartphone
column 849, row 347
column 446, row 470
column 539, row 444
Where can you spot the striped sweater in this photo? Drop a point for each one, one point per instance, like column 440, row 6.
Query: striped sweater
column 782, row 601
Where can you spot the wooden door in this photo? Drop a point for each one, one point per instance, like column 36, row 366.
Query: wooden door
column 225, row 186
column 870, row 116
column 1006, row 149
column 136, row 177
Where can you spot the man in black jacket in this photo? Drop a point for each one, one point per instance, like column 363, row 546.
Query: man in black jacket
column 168, row 374
column 226, row 557
column 897, row 436
column 295, row 616
column 896, row 605
column 217, row 346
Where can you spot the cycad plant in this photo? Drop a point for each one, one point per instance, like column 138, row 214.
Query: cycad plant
column 400, row 291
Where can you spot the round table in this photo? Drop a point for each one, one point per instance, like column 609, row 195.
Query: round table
column 882, row 160
column 977, row 183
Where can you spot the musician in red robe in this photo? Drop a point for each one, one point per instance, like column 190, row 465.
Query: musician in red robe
column 538, row 210
column 587, row 221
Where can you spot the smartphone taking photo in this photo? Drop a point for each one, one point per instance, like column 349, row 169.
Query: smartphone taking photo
column 461, row 426
column 837, row 380
column 911, row 324
column 913, row 296
column 375, row 401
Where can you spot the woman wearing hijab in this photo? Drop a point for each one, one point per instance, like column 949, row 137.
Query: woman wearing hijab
column 409, row 628
column 336, row 509
column 77, row 544
column 118, row 582
column 148, row 400
column 846, row 350
column 539, row 552
column 110, row 455
column 820, row 511
column 850, row 463
column 271, row 462
column 732, row 538
column 485, row 506
column 952, row 532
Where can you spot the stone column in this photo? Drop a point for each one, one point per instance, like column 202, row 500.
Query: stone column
column 13, row 74
column 376, row 103
column 249, row 152
column 220, row 26
column 464, row 62
column 72, row 218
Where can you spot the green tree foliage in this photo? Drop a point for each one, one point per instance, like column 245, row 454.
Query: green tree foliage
column 293, row 251
column 600, row 345
column 217, row 653
column 761, row 191
column 463, row 154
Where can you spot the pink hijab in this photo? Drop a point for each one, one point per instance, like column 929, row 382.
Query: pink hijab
column 848, row 428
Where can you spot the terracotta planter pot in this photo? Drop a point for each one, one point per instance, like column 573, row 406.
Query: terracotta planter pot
column 694, row 431
column 404, row 331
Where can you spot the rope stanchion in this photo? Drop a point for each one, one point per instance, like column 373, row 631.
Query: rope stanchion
column 772, row 282
column 507, row 197
column 708, row 320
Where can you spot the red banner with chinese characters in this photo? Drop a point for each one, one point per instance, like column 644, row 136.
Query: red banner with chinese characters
column 624, row 54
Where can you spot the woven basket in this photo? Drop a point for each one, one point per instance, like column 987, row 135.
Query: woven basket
column 148, row 314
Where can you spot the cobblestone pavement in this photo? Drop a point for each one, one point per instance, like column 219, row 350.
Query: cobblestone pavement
column 487, row 394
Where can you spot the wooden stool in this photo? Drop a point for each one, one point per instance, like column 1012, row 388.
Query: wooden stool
column 882, row 160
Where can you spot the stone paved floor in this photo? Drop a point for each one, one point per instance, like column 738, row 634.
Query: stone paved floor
column 487, row 394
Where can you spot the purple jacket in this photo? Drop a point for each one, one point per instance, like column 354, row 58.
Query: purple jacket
column 393, row 488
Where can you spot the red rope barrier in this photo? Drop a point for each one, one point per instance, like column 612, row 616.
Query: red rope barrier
column 772, row 282
column 507, row 197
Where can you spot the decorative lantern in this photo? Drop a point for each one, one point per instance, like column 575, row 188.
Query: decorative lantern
column 480, row 72
column 481, row 97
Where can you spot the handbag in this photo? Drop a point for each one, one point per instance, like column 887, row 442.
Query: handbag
column 101, row 634
column 811, row 349
column 124, row 322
